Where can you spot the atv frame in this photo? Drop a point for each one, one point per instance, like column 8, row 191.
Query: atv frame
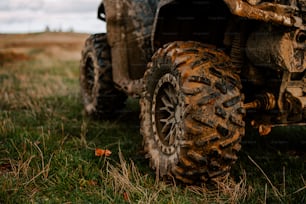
column 201, row 69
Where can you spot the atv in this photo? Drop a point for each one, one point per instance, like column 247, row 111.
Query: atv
column 201, row 70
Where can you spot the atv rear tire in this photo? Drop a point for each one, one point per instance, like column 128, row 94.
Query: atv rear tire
column 100, row 97
column 191, row 113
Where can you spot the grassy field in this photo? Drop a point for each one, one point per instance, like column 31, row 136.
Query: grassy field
column 47, row 146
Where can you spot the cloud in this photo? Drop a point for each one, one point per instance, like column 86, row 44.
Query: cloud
column 53, row 6
column 25, row 5
column 4, row 5
column 73, row 6
column 35, row 15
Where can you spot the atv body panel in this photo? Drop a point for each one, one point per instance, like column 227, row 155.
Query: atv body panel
column 201, row 69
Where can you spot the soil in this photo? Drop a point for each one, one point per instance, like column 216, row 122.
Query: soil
column 60, row 46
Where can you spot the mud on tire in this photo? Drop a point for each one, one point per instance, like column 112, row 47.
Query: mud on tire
column 99, row 95
column 191, row 113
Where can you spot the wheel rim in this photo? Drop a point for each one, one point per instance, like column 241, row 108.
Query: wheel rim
column 167, row 114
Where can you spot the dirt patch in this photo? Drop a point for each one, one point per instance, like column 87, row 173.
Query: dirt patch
column 11, row 56
column 41, row 46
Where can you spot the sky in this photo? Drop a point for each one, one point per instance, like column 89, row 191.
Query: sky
column 23, row 16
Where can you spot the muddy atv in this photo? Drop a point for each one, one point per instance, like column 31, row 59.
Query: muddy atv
column 200, row 69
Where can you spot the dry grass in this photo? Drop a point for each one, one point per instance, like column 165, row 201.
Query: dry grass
column 47, row 145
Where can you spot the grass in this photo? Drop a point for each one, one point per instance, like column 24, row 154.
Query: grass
column 47, row 150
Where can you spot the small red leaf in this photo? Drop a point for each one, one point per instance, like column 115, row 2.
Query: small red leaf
column 126, row 197
column 102, row 152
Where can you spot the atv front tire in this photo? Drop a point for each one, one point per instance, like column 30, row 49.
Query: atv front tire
column 191, row 113
column 100, row 97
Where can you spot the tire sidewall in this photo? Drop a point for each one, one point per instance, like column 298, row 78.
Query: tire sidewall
column 89, row 96
column 163, row 161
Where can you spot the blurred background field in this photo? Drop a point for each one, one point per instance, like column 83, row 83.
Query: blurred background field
column 47, row 145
